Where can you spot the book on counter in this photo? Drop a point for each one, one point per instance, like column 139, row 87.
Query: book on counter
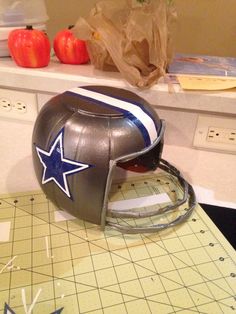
column 202, row 72
column 203, row 65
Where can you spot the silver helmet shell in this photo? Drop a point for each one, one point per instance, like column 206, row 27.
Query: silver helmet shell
column 79, row 137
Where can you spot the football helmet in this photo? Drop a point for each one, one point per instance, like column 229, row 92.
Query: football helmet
column 82, row 135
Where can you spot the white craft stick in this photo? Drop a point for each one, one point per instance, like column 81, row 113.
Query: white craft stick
column 4, row 267
column 60, row 215
column 10, row 267
column 34, row 301
column 5, row 228
column 47, row 247
column 139, row 202
column 24, row 300
column 29, row 311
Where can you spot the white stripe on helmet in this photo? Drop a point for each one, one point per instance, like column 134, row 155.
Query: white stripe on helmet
column 136, row 111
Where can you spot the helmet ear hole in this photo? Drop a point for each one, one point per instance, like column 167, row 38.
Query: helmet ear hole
column 146, row 162
column 133, row 165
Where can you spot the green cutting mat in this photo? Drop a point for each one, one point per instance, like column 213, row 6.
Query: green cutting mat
column 71, row 266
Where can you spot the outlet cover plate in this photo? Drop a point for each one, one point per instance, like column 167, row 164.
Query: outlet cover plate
column 17, row 99
column 222, row 124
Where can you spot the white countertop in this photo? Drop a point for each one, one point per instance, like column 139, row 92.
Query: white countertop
column 58, row 77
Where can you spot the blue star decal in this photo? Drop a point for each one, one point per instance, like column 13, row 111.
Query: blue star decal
column 58, row 311
column 56, row 167
column 8, row 310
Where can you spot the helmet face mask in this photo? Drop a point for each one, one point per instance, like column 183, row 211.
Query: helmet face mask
column 80, row 137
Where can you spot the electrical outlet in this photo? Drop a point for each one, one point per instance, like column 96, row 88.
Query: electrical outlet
column 220, row 135
column 18, row 105
column 5, row 105
column 216, row 134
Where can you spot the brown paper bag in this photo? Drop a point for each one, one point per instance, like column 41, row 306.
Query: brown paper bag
column 131, row 37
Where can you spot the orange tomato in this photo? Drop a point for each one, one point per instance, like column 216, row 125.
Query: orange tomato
column 29, row 47
column 69, row 49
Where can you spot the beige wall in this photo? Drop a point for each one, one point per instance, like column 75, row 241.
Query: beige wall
column 204, row 26
column 63, row 13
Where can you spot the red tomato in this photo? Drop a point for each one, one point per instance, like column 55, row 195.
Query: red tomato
column 69, row 49
column 29, row 47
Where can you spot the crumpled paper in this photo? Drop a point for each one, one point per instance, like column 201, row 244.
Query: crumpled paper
column 132, row 37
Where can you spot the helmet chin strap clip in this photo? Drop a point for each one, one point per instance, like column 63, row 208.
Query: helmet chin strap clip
column 188, row 196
